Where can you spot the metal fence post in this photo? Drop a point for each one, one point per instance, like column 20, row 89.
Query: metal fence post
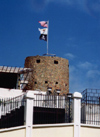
column 0, row 108
column 77, row 113
column 29, row 113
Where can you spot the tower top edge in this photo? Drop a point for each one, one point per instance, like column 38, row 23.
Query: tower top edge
column 38, row 56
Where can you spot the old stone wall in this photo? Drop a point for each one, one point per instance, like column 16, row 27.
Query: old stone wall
column 47, row 72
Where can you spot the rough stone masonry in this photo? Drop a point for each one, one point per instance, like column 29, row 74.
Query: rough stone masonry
column 47, row 72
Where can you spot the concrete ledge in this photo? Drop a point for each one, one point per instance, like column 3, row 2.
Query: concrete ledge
column 53, row 125
column 13, row 128
column 88, row 125
column 35, row 126
column 77, row 95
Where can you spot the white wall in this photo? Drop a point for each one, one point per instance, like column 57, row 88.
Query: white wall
column 10, row 93
column 13, row 132
column 53, row 131
column 89, row 131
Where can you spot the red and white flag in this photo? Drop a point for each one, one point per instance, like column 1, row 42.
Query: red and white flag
column 43, row 24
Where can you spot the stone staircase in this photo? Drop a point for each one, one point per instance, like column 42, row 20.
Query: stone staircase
column 13, row 119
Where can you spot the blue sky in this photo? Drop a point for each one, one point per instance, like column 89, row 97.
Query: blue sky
column 74, row 34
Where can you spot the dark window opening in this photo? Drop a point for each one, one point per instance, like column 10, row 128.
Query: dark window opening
column 46, row 82
column 55, row 62
column 66, row 85
column 38, row 60
column 8, row 80
column 35, row 82
column 56, row 82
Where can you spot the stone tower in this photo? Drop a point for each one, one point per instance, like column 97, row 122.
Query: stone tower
column 47, row 72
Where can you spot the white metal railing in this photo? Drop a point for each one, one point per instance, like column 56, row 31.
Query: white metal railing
column 9, row 104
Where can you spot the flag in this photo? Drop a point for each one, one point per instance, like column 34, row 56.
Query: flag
column 43, row 24
column 43, row 34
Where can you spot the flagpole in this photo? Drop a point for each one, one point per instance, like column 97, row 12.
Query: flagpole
column 47, row 35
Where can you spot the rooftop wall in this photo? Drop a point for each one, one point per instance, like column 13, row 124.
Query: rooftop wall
column 13, row 132
column 53, row 131
column 10, row 93
column 58, row 130
column 90, row 131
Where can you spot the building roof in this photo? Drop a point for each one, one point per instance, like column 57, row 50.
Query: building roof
column 20, row 70
column 9, row 76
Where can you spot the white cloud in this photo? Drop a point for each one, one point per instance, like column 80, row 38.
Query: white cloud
column 89, row 6
column 93, row 74
column 38, row 5
column 76, row 79
column 69, row 2
column 69, row 55
column 72, row 68
column 86, row 65
column 83, row 75
column 94, row 5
